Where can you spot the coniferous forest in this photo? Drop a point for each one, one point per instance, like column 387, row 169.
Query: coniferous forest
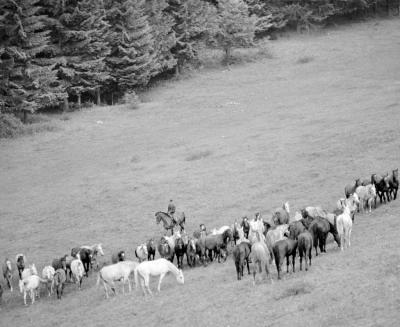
column 58, row 53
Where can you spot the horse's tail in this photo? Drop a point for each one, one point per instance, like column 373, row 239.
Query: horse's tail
column 98, row 279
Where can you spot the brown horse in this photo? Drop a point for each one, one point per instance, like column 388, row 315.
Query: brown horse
column 241, row 253
column 169, row 223
column 8, row 273
column 393, row 180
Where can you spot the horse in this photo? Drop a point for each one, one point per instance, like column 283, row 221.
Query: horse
column 60, row 263
column 366, row 195
column 151, row 249
column 393, row 180
column 382, row 186
column 295, row 229
column 119, row 271
column 169, row 223
column 30, row 284
column 352, row 202
column 344, row 227
column 260, row 258
column 282, row 249
column 215, row 244
column 119, row 256
column 78, row 271
column 281, row 216
column 191, row 252
column 20, row 260
column 246, row 226
column 94, row 250
column 165, row 250
column 31, row 270
column 159, row 267
column 60, row 279
column 48, row 274
column 141, row 252
column 256, row 226
column 305, row 245
column 85, row 256
column 319, row 229
column 220, row 230
column 180, row 250
column 8, row 273
column 241, row 253
column 274, row 235
column 349, row 189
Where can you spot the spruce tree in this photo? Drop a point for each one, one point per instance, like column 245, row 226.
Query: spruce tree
column 236, row 27
column 132, row 58
column 82, row 43
column 28, row 81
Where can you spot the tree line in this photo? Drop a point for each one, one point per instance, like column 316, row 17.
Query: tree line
column 54, row 52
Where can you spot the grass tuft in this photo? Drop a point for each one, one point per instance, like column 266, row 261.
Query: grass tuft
column 198, row 155
column 297, row 289
column 305, row 60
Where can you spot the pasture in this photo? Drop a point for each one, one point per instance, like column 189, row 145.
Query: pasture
column 223, row 144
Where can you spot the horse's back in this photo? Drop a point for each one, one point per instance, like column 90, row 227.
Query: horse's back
column 154, row 268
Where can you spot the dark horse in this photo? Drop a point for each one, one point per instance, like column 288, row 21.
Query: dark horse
column 180, row 251
column 20, row 264
column 246, row 226
column 241, row 253
column 393, row 180
column 165, row 250
column 86, row 258
column 170, row 223
column 382, row 186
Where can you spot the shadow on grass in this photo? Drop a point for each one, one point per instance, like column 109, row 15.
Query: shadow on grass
column 198, row 155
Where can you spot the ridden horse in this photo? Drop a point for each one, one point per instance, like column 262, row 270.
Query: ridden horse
column 382, row 186
column 393, row 180
column 117, row 272
column 60, row 279
column 305, row 245
column 241, row 253
column 159, row 267
column 281, row 215
column 282, row 249
column 117, row 257
column 20, row 260
column 151, row 249
column 260, row 258
column 169, row 223
column 349, row 189
column 8, row 273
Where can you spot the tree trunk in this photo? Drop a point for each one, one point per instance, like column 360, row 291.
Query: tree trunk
column 98, row 102
column 112, row 98
column 25, row 116
column 65, row 106
column 228, row 52
column 79, row 100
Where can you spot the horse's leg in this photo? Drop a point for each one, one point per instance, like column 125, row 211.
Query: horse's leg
column 159, row 282
column 294, row 261
column 146, row 283
column 301, row 260
column 142, row 286
column 248, row 268
column 25, row 294
column 129, row 284
column 287, row 263
column 32, row 295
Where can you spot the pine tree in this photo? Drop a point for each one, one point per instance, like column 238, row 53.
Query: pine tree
column 161, row 23
column 132, row 58
column 82, row 32
column 236, row 27
column 195, row 22
column 28, row 81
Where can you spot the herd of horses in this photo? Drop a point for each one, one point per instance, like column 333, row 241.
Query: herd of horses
column 256, row 242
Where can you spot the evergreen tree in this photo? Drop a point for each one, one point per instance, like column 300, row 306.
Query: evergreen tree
column 161, row 23
column 28, row 81
column 195, row 22
column 82, row 32
column 236, row 27
column 132, row 58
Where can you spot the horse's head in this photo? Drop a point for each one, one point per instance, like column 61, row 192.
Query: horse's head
column 158, row 217
column 99, row 249
column 8, row 265
column 257, row 216
column 286, row 207
column 372, row 190
column 179, row 277
column 395, row 174
column 358, row 182
column 33, row 269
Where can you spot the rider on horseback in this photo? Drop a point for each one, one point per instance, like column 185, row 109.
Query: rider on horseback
column 171, row 211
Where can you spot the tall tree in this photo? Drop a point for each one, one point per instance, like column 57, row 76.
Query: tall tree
column 132, row 57
column 28, row 81
column 82, row 31
column 236, row 27
column 195, row 22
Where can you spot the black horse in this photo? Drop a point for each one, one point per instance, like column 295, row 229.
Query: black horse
column 241, row 253
column 246, row 226
column 382, row 186
column 180, row 250
column 151, row 249
column 393, row 180
column 20, row 264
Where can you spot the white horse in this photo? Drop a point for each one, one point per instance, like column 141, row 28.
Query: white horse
column 30, row 284
column 117, row 272
column 344, row 226
column 367, row 196
column 256, row 226
column 159, row 267
column 48, row 274
column 352, row 202
column 95, row 249
column 220, row 230
column 141, row 252
column 78, row 271
column 31, row 270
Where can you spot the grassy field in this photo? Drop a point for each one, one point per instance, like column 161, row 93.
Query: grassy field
column 223, row 144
